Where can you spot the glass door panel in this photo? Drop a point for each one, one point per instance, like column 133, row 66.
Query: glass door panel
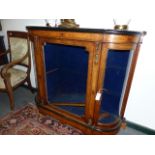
column 66, row 76
column 116, row 72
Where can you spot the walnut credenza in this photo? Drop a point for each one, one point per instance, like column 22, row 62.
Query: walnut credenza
column 84, row 75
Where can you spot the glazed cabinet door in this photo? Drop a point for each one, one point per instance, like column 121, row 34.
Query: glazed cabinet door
column 66, row 77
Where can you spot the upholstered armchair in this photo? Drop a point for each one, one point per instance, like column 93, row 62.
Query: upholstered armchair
column 17, row 71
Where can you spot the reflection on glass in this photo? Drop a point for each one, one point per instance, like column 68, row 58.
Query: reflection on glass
column 66, row 76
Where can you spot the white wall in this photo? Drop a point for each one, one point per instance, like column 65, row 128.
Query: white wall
column 141, row 103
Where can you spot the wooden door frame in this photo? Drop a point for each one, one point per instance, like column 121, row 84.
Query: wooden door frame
column 90, row 48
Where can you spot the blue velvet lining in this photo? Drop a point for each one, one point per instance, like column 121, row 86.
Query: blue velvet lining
column 66, row 72
column 73, row 109
column 115, row 73
column 66, row 77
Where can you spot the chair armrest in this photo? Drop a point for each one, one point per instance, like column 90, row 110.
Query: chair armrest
column 4, row 71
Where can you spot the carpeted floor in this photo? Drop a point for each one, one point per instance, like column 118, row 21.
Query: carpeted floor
column 28, row 121
column 22, row 96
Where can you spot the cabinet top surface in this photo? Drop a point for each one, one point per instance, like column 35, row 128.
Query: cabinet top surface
column 86, row 30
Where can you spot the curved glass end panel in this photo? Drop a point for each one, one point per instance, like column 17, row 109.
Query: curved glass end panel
column 116, row 73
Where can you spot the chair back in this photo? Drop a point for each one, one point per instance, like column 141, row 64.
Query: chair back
column 19, row 47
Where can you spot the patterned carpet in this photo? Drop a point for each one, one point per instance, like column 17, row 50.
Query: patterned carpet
column 28, row 121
